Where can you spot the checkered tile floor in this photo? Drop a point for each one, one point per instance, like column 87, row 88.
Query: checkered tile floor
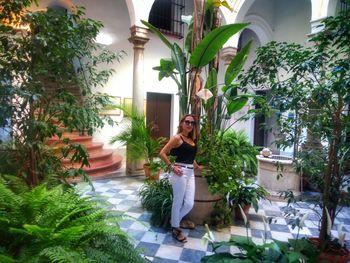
column 158, row 245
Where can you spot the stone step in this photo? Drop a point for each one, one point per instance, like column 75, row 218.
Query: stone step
column 103, row 167
column 95, row 156
column 103, row 162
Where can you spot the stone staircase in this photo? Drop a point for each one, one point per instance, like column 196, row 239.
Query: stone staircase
column 103, row 163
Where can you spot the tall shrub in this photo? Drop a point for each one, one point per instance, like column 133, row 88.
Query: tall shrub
column 49, row 71
column 313, row 84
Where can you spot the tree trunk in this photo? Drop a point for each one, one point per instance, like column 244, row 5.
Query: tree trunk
column 332, row 177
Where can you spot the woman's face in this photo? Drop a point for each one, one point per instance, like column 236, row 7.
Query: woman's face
column 188, row 124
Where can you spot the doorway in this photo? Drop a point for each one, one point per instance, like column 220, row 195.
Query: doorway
column 158, row 114
column 260, row 125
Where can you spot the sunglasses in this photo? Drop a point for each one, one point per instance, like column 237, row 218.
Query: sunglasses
column 192, row 123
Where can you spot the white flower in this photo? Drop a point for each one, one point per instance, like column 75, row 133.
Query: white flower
column 204, row 94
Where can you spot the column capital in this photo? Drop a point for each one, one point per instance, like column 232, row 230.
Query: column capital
column 138, row 36
column 227, row 54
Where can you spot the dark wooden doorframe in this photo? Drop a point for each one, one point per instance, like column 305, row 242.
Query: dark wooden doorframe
column 158, row 114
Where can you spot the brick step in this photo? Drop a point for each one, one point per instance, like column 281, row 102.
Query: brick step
column 95, row 156
column 105, row 167
column 72, row 139
column 103, row 162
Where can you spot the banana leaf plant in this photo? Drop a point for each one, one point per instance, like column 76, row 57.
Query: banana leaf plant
column 183, row 63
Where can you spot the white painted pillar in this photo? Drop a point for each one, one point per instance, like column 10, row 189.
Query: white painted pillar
column 139, row 39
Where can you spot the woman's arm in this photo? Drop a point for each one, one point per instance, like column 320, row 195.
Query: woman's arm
column 197, row 166
column 174, row 142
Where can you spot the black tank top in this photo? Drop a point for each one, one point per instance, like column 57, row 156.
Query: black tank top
column 185, row 153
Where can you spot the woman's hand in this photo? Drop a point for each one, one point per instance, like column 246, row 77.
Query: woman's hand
column 177, row 170
column 200, row 168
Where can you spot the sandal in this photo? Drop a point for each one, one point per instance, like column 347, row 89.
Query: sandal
column 177, row 234
column 187, row 224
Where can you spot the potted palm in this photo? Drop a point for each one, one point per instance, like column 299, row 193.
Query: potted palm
column 318, row 75
column 136, row 135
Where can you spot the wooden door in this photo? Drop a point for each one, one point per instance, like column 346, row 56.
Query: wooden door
column 158, row 114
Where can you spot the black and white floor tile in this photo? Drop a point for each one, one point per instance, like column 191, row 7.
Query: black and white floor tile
column 158, row 245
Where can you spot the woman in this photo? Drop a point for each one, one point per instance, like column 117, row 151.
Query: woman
column 183, row 147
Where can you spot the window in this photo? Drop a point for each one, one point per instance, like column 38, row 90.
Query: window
column 344, row 5
column 166, row 16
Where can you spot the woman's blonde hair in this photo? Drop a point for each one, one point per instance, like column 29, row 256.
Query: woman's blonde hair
column 193, row 133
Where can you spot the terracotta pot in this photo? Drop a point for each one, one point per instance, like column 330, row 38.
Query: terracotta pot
column 237, row 214
column 331, row 255
column 148, row 173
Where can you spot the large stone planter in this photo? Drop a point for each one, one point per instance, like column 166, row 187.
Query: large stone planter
column 267, row 174
column 203, row 201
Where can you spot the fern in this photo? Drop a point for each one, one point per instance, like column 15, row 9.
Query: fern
column 59, row 226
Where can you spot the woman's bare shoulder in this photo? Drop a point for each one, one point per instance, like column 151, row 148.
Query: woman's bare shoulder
column 176, row 139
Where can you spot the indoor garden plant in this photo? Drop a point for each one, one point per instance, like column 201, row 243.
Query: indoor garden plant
column 58, row 225
column 40, row 73
column 43, row 219
column 245, row 194
column 203, row 42
column 157, row 197
column 136, row 135
column 315, row 88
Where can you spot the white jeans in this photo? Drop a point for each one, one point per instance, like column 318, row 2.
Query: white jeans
column 183, row 195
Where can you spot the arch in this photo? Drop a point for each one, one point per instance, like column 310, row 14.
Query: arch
column 260, row 27
column 138, row 10
column 67, row 4
column 240, row 8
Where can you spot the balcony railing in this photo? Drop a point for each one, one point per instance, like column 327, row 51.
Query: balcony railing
column 166, row 16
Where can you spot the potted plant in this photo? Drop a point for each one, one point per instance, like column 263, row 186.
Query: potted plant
column 157, row 196
column 244, row 194
column 316, row 76
column 203, row 43
column 136, row 135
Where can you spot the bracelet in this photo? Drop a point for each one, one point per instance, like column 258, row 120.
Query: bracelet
column 171, row 167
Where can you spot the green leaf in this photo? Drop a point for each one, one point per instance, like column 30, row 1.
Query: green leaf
column 220, row 257
column 6, row 259
column 158, row 33
column 178, row 59
column 236, row 104
column 212, row 80
column 210, row 45
column 237, row 63
column 165, row 68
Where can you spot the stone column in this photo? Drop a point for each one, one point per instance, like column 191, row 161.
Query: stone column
column 139, row 39
column 227, row 54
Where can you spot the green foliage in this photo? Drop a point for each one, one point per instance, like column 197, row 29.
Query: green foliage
column 293, row 251
column 157, row 198
column 48, row 77
column 312, row 83
column 58, row 225
column 245, row 193
column 230, row 158
column 137, row 136
column 182, row 65
column 211, row 44
column 221, row 216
